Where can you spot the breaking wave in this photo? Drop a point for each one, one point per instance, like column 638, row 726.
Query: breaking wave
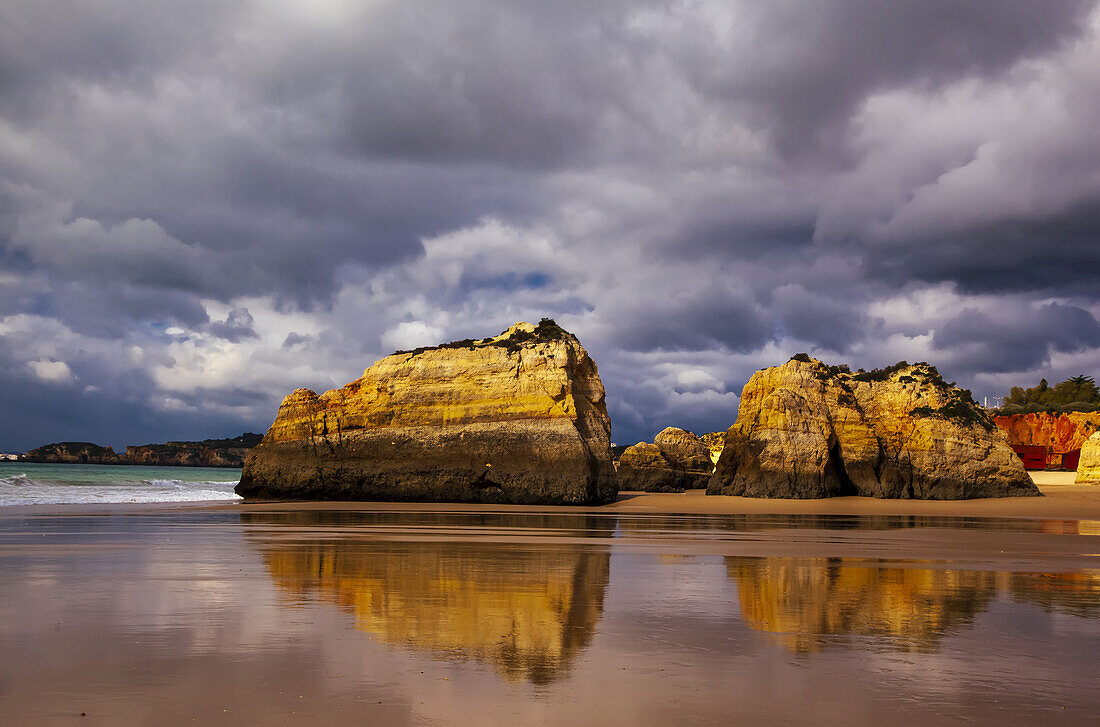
column 20, row 489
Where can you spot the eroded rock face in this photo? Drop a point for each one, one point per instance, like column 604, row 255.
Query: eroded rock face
column 517, row 418
column 676, row 461
column 807, row 430
column 1060, row 432
column 1088, row 470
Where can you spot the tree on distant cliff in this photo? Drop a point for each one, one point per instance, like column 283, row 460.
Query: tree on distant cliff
column 1077, row 393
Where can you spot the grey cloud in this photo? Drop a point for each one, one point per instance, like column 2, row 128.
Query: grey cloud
column 708, row 180
column 237, row 326
column 1015, row 337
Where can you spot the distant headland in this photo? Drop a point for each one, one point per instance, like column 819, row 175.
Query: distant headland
column 205, row 453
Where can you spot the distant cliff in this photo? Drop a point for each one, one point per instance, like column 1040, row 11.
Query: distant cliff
column 1061, row 432
column 72, row 453
column 207, row 453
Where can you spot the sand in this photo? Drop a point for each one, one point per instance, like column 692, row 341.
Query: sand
column 984, row 611
column 1061, row 500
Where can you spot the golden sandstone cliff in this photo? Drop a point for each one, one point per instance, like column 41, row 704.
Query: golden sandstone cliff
column 1060, row 432
column 1088, row 469
column 517, row 418
column 807, row 430
column 676, row 461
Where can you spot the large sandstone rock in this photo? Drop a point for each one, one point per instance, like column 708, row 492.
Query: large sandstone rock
column 807, row 430
column 676, row 461
column 1088, row 470
column 517, row 418
column 1059, row 432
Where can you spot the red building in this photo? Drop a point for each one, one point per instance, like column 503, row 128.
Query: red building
column 1038, row 457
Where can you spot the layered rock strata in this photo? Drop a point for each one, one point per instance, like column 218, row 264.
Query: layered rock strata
column 677, row 460
column 517, row 418
column 807, row 430
column 1088, row 469
column 1059, row 432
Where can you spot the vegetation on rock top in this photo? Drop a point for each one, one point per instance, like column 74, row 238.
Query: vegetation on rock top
column 546, row 330
column 1077, row 393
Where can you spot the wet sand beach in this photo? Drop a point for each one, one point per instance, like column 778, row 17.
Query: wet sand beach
column 658, row 609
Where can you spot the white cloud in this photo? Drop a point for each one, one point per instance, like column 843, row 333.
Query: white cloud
column 52, row 372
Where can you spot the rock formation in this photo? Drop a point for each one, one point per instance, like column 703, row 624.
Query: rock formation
column 71, row 453
column 807, row 430
column 207, row 453
column 1088, row 470
column 1059, row 432
column 676, row 461
column 517, row 418
column 715, row 441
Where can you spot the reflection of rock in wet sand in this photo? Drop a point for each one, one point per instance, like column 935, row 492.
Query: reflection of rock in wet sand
column 526, row 611
column 1077, row 594
column 803, row 599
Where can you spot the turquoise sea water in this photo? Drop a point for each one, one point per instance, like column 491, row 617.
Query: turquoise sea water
column 26, row 483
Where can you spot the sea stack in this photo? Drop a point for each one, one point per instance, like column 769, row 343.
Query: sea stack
column 1088, row 469
column 676, row 461
column 807, row 430
column 518, row 418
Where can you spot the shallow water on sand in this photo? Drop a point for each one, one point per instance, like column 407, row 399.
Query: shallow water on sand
column 320, row 617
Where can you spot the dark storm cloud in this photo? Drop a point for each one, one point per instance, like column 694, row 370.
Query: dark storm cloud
column 1058, row 251
column 817, row 61
column 1017, row 338
column 204, row 205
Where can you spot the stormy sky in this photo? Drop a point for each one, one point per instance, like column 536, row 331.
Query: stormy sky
column 206, row 204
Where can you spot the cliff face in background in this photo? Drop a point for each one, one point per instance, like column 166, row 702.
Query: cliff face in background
column 1061, row 432
column 71, row 453
column 676, row 461
column 207, row 453
column 516, row 418
column 807, row 430
column 1088, row 470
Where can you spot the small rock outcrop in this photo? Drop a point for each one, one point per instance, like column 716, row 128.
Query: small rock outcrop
column 71, row 453
column 518, row 418
column 676, row 461
column 807, row 430
column 1060, row 433
column 1088, row 469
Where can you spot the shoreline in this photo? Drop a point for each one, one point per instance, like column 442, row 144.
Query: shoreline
column 1062, row 500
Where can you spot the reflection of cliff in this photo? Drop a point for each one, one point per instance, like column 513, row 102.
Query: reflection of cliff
column 1077, row 593
column 803, row 599
column 527, row 612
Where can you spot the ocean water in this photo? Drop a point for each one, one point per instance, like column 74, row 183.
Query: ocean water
column 27, row 483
